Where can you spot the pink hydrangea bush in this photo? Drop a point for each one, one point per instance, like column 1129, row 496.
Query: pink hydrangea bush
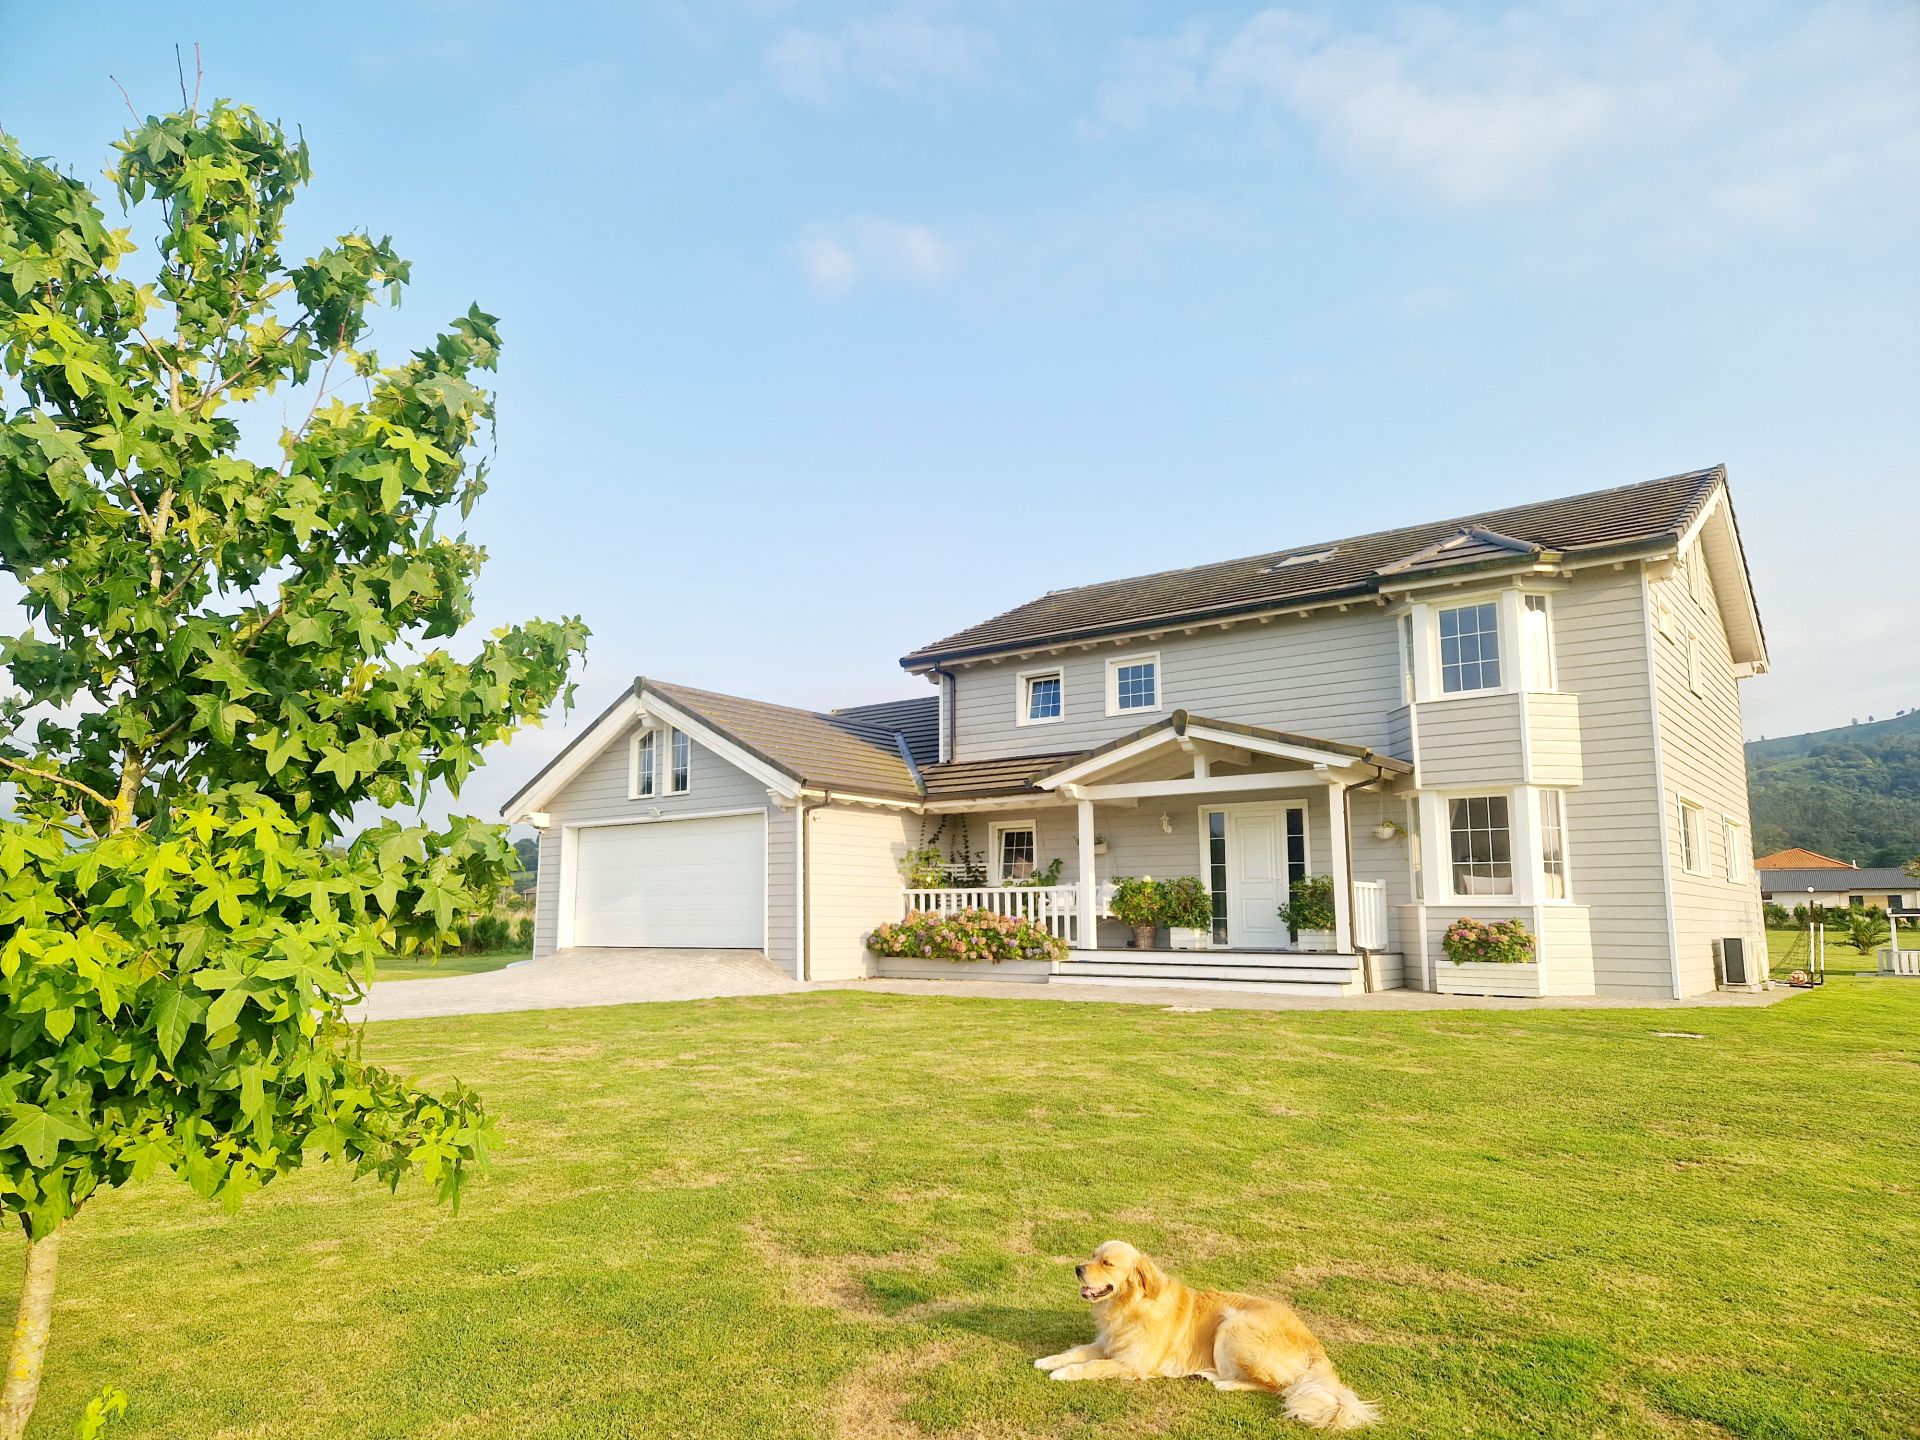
column 966, row 935
column 1488, row 942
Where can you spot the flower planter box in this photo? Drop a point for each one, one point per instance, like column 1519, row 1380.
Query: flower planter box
column 1314, row 942
column 903, row 967
column 1182, row 938
column 1482, row 977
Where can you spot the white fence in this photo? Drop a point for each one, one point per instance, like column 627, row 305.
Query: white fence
column 1369, row 915
column 1899, row 962
column 1052, row 907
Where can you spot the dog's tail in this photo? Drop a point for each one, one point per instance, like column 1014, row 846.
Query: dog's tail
column 1319, row 1400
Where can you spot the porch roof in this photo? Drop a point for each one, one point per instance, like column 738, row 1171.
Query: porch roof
column 985, row 779
column 1181, row 724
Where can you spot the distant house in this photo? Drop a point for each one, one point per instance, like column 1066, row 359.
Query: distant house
column 1796, row 858
column 1844, row 887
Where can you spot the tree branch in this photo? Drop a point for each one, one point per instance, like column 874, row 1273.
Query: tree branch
column 56, row 778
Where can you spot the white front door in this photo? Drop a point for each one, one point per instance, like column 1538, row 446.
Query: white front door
column 1256, row 878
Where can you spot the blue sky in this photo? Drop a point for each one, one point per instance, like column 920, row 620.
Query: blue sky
column 832, row 329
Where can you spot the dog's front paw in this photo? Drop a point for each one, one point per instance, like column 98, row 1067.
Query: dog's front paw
column 1050, row 1362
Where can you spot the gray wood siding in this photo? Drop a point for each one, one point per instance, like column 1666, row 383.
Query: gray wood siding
column 854, row 883
column 1330, row 675
column 1553, row 738
column 1613, row 815
column 1470, row 740
column 1700, row 743
column 599, row 793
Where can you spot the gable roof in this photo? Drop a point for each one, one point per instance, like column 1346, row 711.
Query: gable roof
column 1628, row 517
column 825, row 751
column 1796, row 858
column 1825, row 880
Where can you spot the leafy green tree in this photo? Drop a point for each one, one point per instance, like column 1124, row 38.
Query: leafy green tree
column 224, row 657
column 1866, row 930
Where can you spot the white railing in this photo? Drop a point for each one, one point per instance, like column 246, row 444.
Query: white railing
column 1899, row 962
column 1052, row 907
column 1369, row 915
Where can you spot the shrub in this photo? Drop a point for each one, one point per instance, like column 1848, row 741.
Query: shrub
column 1866, row 931
column 488, row 933
column 1496, row 942
column 1776, row 915
column 923, row 868
column 1186, row 902
column 1309, row 904
column 966, row 935
column 523, row 933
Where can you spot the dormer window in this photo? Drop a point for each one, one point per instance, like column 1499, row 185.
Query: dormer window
column 1133, row 684
column 1042, row 697
column 680, row 775
column 1470, row 648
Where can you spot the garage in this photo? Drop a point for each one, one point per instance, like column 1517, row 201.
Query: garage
column 676, row 884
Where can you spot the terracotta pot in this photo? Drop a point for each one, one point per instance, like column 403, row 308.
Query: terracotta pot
column 1143, row 936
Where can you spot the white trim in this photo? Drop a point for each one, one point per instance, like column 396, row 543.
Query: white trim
column 1163, row 736
column 1660, row 782
column 1135, row 657
column 1494, row 602
column 1733, row 841
column 944, row 745
column 1257, row 807
column 1154, row 789
column 1022, row 701
column 663, row 819
column 1703, row 861
column 800, row 957
column 1519, row 832
column 613, row 722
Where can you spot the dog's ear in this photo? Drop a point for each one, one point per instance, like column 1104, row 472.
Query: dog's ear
column 1148, row 1278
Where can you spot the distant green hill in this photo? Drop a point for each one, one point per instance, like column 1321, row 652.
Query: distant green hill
column 1852, row 792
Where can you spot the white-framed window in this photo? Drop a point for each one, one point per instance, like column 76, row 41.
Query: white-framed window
column 1734, row 836
column 643, row 765
column 1536, row 642
column 1693, row 662
column 1470, row 648
column 1042, row 697
column 680, row 772
column 1133, row 684
column 1553, row 846
column 1693, row 837
column 1480, row 837
column 1015, row 851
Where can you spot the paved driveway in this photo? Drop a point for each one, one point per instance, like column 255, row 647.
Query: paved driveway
column 571, row 979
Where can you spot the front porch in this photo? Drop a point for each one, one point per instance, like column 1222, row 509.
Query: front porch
column 1250, row 813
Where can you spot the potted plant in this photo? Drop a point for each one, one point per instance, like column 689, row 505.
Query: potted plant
column 1309, row 911
column 1136, row 903
column 1187, row 907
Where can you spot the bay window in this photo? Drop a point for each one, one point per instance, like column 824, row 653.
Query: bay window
column 1553, row 847
column 1470, row 648
column 1480, row 838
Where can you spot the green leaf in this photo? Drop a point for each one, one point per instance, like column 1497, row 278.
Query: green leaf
column 39, row 1133
column 174, row 1015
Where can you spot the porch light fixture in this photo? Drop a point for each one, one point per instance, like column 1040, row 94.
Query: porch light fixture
column 1166, row 826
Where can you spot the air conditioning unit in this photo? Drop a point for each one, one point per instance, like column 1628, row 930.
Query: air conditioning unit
column 1730, row 961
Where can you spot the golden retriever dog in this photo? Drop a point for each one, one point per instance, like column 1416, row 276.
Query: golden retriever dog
column 1152, row 1326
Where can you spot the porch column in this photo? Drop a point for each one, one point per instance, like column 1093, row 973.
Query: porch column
column 1087, row 935
column 1342, row 878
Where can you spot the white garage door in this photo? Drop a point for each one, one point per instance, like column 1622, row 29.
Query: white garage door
column 683, row 884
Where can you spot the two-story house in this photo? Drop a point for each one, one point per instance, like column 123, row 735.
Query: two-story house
column 1531, row 713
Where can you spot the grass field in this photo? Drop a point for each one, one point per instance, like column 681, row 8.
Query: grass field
column 852, row 1215
column 1787, row 950
column 418, row 969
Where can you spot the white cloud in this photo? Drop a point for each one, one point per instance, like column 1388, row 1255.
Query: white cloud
column 1627, row 115
column 834, row 255
column 899, row 50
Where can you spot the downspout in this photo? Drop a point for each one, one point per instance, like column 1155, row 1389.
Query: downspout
column 803, row 957
column 1353, row 908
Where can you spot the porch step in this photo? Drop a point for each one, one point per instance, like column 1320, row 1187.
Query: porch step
column 1326, row 989
column 1252, row 971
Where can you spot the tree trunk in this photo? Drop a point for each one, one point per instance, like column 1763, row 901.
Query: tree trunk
column 32, row 1327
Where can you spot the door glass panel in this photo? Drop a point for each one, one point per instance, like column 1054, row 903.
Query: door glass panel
column 1217, row 872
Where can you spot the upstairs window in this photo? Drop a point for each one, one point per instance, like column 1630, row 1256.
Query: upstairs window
column 1133, row 684
column 681, row 774
column 1693, row 663
column 1042, row 697
column 1734, row 835
column 1536, row 634
column 1481, row 841
column 1470, row 648
column 645, row 758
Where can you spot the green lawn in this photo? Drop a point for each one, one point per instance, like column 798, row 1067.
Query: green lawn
column 1787, row 950
column 843, row 1214
column 415, row 968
